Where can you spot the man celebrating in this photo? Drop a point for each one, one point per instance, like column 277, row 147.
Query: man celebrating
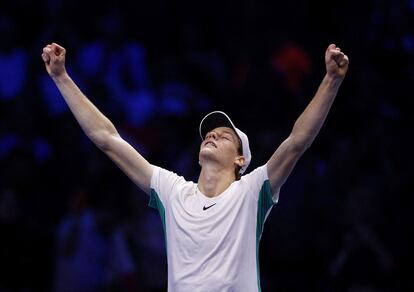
column 212, row 227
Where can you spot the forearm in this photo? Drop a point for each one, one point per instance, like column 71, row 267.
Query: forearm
column 95, row 125
column 309, row 123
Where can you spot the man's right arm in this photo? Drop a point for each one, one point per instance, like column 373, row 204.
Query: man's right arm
column 95, row 125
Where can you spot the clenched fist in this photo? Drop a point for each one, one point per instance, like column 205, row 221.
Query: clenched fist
column 336, row 62
column 54, row 57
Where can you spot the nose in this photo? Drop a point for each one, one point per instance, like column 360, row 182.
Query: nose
column 211, row 135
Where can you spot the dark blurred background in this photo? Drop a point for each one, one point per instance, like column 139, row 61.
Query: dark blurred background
column 72, row 221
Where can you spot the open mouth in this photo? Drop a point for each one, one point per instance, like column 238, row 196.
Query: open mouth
column 210, row 144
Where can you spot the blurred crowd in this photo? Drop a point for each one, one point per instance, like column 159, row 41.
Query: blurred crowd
column 70, row 220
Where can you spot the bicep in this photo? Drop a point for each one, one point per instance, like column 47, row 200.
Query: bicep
column 136, row 167
column 282, row 162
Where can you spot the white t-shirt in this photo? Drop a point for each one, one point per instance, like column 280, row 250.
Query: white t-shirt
column 212, row 243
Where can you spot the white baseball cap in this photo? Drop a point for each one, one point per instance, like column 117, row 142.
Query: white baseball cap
column 217, row 119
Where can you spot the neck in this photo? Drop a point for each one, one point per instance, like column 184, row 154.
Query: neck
column 213, row 180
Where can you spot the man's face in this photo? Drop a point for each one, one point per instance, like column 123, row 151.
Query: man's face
column 221, row 145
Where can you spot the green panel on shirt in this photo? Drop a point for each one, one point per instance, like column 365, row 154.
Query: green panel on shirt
column 264, row 205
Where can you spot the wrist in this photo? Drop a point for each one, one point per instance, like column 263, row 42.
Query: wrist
column 333, row 80
column 60, row 78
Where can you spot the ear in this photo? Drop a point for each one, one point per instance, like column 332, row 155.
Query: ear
column 239, row 161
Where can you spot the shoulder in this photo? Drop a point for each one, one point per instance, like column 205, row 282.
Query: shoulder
column 258, row 174
column 257, row 183
column 166, row 183
column 162, row 175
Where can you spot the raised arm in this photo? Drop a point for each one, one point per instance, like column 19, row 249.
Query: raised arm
column 307, row 126
column 95, row 125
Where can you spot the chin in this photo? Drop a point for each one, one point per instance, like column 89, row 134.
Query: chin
column 206, row 153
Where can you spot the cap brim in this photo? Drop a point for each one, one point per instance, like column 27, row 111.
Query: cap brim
column 214, row 120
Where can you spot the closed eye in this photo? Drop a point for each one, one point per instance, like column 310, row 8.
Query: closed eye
column 227, row 136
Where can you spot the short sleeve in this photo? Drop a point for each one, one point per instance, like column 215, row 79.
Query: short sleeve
column 258, row 183
column 162, row 184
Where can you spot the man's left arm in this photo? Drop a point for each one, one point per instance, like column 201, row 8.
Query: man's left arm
column 307, row 126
